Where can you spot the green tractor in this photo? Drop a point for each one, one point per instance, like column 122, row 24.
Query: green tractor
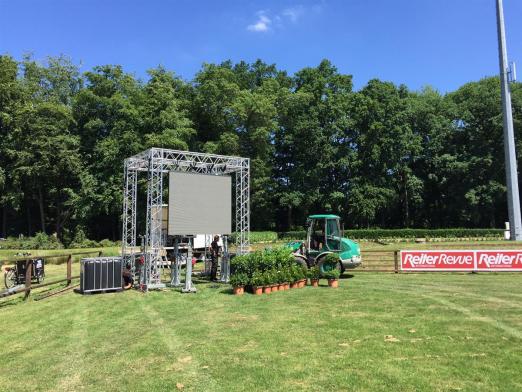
column 324, row 236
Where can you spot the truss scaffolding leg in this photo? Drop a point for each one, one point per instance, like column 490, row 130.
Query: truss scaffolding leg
column 189, row 287
column 175, row 266
column 153, row 237
column 129, row 217
column 243, row 208
column 225, row 262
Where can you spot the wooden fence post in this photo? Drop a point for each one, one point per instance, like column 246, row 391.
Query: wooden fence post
column 396, row 260
column 100, row 253
column 28, row 271
column 69, row 269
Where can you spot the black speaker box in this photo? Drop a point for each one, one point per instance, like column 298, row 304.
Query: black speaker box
column 100, row 274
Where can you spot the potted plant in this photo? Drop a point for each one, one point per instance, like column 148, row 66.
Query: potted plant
column 302, row 276
column 330, row 269
column 281, row 280
column 267, row 282
column 333, row 277
column 257, row 282
column 294, row 274
column 288, row 278
column 314, row 274
column 274, row 280
column 238, row 282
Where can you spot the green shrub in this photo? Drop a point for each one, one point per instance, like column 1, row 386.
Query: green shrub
column 333, row 274
column 271, row 276
column 303, row 272
column 331, row 259
column 39, row 241
column 314, row 273
column 294, row 273
column 270, row 266
column 298, row 272
column 281, row 277
column 239, row 279
column 239, row 265
column 258, row 279
column 108, row 243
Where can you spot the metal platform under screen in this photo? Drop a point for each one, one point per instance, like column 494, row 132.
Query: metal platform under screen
column 100, row 274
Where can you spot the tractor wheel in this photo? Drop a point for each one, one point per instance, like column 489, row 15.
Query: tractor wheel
column 323, row 267
column 301, row 262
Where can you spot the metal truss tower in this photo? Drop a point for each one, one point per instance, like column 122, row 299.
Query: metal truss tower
column 157, row 162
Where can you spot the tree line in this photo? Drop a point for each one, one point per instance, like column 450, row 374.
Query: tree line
column 383, row 156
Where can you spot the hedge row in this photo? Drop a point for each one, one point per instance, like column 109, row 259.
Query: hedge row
column 44, row 241
column 259, row 236
column 376, row 234
column 39, row 241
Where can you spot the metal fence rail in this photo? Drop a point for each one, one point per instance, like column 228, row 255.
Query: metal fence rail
column 28, row 270
column 379, row 261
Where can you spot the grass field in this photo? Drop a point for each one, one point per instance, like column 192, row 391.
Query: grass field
column 376, row 332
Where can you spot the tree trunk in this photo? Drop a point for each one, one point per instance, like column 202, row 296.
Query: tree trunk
column 41, row 206
column 289, row 218
column 58, row 221
column 406, row 203
column 28, row 216
column 4, row 222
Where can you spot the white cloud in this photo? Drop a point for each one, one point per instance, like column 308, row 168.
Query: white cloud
column 268, row 21
column 293, row 13
column 262, row 24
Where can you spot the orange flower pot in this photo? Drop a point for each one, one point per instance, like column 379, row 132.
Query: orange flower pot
column 275, row 288
column 287, row 286
column 333, row 283
column 302, row 283
column 281, row 287
column 239, row 290
column 258, row 290
column 267, row 289
column 294, row 285
column 315, row 282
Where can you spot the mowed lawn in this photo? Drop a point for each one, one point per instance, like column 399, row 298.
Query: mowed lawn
column 376, row 332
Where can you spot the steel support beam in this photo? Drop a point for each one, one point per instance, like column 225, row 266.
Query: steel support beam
column 510, row 157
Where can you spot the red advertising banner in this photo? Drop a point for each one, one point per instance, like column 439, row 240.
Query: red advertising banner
column 499, row 260
column 435, row 260
column 461, row 260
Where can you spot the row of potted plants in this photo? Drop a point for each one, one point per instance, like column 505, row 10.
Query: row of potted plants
column 271, row 280
column 275, row 269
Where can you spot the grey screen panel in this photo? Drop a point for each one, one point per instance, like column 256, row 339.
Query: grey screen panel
column 199, row 204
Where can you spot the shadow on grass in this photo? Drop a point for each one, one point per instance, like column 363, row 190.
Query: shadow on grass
column 10, row 302
column 346, row 276
column 227, row 291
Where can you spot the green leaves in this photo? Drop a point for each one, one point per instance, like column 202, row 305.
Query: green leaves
column 270, row 266
column 381, row 156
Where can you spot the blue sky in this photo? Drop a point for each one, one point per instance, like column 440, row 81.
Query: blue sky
column 442, row 43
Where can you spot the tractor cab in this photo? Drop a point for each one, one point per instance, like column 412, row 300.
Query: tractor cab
column 324, row 236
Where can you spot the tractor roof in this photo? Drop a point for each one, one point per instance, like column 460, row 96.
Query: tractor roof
column 324, row 216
